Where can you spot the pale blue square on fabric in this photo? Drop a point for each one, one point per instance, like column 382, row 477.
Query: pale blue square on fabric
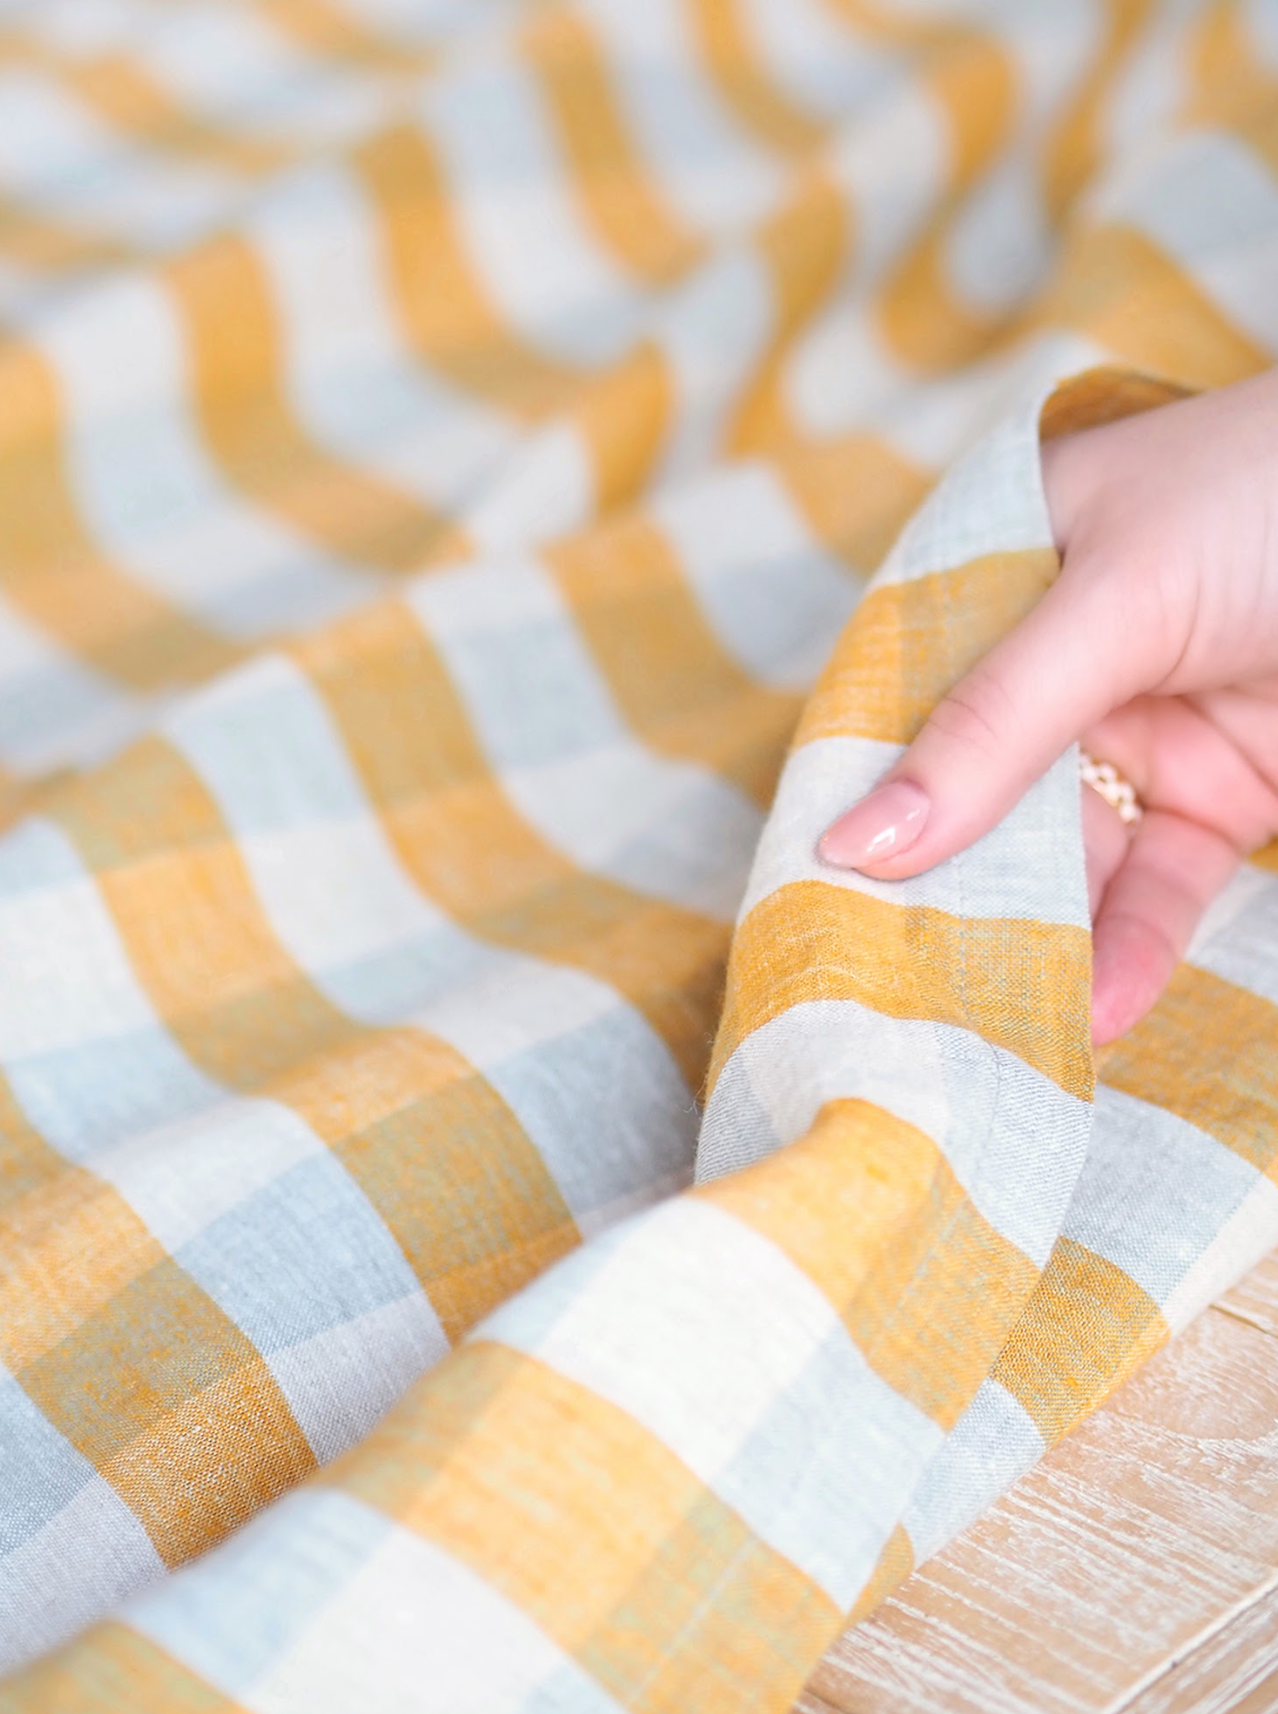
column 40, row 1471
column 531, row 699
column 230, row 1618
column 35, row 854
column 40, row 705
column 776, row 611
column 570, row 1691
column 268, row 751
column 1246, row 952
column 606, row 1106
column 301, row 591
column 302, row 1254
column 392, row 984
column 826, row 1502
column 1200, row 1184
column 88, row 1098
column 991, row 1444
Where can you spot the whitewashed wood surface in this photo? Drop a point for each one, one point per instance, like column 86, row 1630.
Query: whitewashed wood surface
column 1135, row 1570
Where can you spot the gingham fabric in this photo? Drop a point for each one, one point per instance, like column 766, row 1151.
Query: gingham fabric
column 441, row 443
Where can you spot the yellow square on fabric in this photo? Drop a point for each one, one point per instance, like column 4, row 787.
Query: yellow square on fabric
column 610, row 1547
column 149, row 1388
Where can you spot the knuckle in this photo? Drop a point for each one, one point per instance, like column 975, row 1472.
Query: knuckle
column 973, row 715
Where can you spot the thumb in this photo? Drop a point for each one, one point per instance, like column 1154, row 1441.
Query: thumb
column 1064, row 667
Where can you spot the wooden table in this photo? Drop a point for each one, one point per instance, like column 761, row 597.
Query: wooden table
column 1135, row 1569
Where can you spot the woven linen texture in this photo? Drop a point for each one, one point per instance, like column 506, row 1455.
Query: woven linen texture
column 481, row 485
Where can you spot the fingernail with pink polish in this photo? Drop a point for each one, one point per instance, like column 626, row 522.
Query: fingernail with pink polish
column 884, row 824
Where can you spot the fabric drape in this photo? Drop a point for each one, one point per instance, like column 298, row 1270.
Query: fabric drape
column 481, row 486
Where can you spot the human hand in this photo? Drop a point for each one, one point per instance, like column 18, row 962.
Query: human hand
column 1157, row 647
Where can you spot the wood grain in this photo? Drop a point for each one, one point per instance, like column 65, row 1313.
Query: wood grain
column 1255, row 1299
column 1233, row 1669
column 1134, row 1570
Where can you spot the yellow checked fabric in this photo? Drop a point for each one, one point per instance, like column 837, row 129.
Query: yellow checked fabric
column 462, row 1159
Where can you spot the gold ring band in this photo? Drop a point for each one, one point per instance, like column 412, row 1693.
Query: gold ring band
column 1119, row 793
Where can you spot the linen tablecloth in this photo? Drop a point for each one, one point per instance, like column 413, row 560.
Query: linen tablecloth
column 481, row 485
